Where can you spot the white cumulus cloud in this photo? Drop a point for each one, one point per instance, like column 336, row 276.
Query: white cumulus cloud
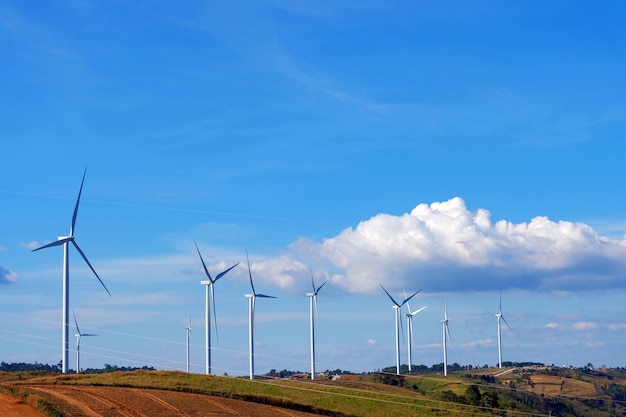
column 444, row 246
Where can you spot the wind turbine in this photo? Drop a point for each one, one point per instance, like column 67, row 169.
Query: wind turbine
column 78, row 336
column 500, row 317
column 409, row 326
column 397, row 307
column 252, row 298
column 446, row 339
column 188, row 331
column 210, row 298
column 313, row 300
column 65, row 240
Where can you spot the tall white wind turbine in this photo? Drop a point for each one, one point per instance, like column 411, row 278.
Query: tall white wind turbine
column 65, row 240
column 499, row 317
column 78, row 336
column 188, row 331
column 210, row 299
column 251, row 302
column 313, row 300
column 398, row 307
column 409, row 329
column 446, row 339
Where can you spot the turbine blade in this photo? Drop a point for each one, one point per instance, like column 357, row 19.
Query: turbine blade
column 217, row 336
column 408, row 307
column 448, row 333
column 88, row 334
column 320, row 287
column 410, row 331
column 507, row 324
column 250, row 273
column 55, row 243
column 389, row 295
column 312, row 282
column 206, row 271
column 75, row 322
column 418, row 310
column 77, row 203
column 264, row 296
column 221, row 274
column 406, row 300
column 91, row 267
column 402, row 329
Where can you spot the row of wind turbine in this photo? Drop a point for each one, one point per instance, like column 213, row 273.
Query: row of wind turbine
column 210, row 299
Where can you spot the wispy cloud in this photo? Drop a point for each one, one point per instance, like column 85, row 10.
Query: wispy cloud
column 7, row 277
column 585, row 325
column 30, row 245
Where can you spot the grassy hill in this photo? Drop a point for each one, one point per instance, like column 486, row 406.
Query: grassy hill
column 528, row 391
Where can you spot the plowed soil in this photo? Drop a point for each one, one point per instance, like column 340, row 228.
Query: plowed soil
column 79, row 401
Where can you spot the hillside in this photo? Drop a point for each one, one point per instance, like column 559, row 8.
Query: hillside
column 511, row 392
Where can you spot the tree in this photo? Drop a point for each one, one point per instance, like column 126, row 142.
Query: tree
column 472, row 395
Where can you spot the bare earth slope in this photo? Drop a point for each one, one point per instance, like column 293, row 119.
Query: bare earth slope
column 12, row 407
column 79, row 401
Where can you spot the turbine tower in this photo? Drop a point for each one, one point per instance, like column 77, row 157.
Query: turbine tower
column 313, row 300
column 188, row 331
column 78, row 336
column 251, row 301
column 446, row 339
column 499, row 316
column 65, row 240
column 398, row 307
column 409, row 327
column 210, row 299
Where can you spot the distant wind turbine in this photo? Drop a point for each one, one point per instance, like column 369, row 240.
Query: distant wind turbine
column 188, row 331
column 252, row 299
column 78, row 336
column 409, row 327
column 313, row 300
column 500, row 317
column 210, row 299
column 446, row 339
column 398, row 307
column 65, row 240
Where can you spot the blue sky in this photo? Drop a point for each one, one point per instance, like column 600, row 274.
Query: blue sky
column 465, row 149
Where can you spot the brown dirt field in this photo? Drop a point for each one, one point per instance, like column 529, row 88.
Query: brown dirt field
column 79, row 401
column 12, row 407
column 551, row 385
